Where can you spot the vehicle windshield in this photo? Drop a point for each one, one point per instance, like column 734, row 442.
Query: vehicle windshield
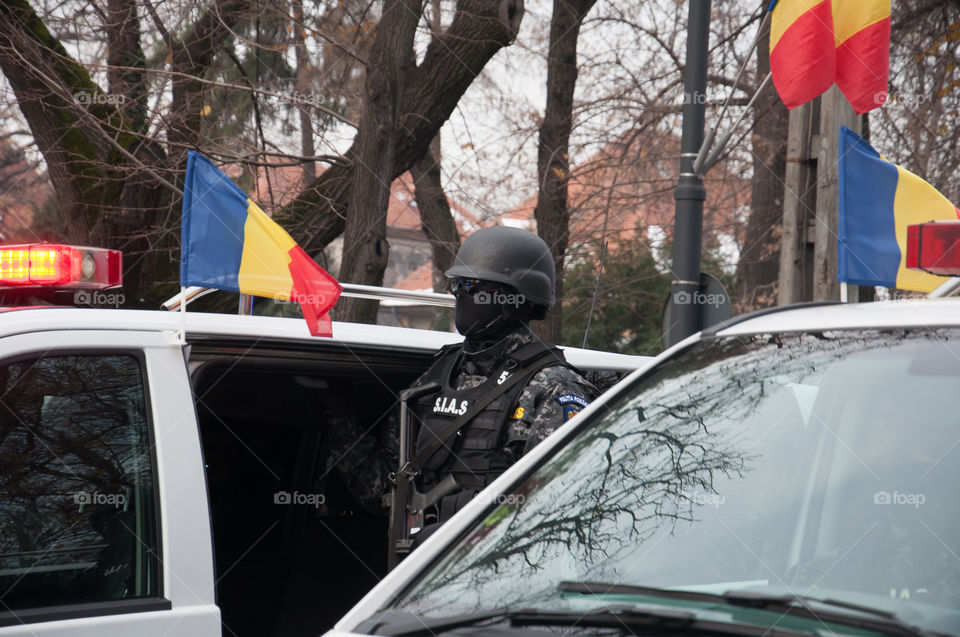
column 823, row 465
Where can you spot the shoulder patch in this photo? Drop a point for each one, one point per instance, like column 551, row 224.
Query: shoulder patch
column 572, row 404
column 518, row 414
column 574, row 400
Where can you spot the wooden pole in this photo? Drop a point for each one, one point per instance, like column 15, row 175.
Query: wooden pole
column 799, row 203
column 834, row 112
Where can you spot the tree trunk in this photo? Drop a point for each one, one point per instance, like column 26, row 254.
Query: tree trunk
column 303, row 105
column 553, row 161
column 436, row 219
column 105, row 198
column 431, row 91
column 365, row 247
column 104, row 193
column 759, row 265
column 61, row 102
column 191, row 58
column 126, row 72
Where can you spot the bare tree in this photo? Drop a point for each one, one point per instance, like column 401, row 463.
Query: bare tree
column 436, row 219
column 365, row 235
column 430, row 92
column 115, row 153
column 553, row 158
column 758, row 269
column 105, row 171
column 914, row 127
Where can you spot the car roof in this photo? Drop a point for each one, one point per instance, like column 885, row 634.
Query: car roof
column 202, row 324
column 882, row 314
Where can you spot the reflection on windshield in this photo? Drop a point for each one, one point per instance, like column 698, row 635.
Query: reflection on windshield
column 819, row 465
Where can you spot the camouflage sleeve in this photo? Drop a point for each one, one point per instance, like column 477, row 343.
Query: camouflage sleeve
column 365, row 455
column 364, row 458
column 550, row 398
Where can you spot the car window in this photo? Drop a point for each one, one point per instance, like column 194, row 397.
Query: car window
column 813, row 464
column 77, row 498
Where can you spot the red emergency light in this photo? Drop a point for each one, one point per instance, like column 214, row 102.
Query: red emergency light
column 51, row 265
column 934, row 247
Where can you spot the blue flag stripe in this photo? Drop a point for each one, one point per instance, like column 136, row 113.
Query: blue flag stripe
column 214, row 215
column 868, row 253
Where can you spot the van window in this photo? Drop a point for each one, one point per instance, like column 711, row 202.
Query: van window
column 77, row 502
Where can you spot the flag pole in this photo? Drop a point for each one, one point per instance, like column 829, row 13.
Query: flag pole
column 183, row 316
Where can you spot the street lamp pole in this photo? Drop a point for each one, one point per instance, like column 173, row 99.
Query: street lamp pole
column 690, row 193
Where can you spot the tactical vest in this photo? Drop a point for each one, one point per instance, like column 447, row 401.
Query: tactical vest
column 474, row 455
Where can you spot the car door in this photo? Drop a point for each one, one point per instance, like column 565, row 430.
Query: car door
column 104, row 527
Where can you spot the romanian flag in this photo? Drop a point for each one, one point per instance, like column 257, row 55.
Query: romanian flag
column 229, row 243
column 814, row 43
column 878, row 200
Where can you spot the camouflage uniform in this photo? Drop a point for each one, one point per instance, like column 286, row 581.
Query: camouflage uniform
column 551, row 397
column 364, row 457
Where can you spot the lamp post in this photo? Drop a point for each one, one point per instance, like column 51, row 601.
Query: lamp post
column 690, row 193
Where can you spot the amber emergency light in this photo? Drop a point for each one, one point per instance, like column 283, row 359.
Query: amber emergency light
column 51, row 265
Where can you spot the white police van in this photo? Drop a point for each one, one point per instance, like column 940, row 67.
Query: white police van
column 792, row 472
column 149, row 488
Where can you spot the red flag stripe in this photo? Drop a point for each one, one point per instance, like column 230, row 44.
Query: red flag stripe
column 803, row 61
column 863, row 64
column 315, row 290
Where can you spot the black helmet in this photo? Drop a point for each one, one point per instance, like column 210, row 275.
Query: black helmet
column 512, row 256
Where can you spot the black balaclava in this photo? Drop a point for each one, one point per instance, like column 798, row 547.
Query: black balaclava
column 485, row 323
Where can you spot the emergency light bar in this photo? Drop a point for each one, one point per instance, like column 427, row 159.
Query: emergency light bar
column 934, row 247
column 51, row 265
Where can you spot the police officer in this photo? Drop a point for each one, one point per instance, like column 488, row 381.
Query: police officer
column 505, row 389
column 489, row 400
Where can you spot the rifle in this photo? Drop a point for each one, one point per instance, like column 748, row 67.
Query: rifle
column 404, row 512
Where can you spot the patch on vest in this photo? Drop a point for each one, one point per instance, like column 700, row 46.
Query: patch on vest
column 444, row 405
column 571, row 405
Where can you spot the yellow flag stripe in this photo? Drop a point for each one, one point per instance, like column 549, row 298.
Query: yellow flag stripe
column 785, row 13
column 916, row 201
column 264, row 264
column 852, row 16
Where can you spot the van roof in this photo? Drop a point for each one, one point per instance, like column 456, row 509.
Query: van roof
column 882, row 314
column 46, row 318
